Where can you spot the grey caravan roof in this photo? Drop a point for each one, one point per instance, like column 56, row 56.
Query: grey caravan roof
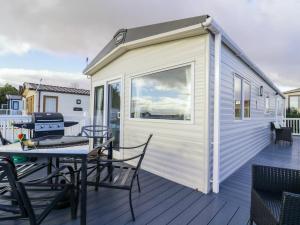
column 14, row 97
column 133, row 34
column 58, row 89
column 137, row 33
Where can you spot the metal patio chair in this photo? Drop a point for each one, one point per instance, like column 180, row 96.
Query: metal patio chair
column 121, row 173
column 98, row 134
column 282, row 133
column 275, row 196
column 24, row 199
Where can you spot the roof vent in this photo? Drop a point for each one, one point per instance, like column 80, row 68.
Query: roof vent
column 120, row 36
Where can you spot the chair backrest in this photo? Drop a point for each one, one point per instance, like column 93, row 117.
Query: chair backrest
column 97, row 132
column 275, row 125
column 142, row 155
column 9, row 192
column 275, row 179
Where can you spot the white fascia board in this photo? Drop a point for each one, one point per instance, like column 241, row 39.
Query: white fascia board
column 156, row 39
column 213, row 27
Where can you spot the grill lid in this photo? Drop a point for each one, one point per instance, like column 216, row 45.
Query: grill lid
column 47, row 117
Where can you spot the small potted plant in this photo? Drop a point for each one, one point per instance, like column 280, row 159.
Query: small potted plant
column 21, row 138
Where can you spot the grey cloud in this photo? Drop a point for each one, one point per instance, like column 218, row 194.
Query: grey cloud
column 267, row 30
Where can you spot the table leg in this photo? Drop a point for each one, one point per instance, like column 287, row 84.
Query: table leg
column 110, row 156
column 49, row 167
column 83, row 191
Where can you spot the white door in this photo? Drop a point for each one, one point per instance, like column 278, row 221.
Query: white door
column 50, row 103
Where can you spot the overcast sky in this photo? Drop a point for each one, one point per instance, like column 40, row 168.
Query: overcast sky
column 51, row 39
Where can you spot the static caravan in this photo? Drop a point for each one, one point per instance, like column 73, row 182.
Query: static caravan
column 292, row 102
column 49, row 98
column 14, row 105
column 208, row 106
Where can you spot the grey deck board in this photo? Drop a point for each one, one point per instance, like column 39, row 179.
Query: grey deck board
column 164, row 202
column 176, row 209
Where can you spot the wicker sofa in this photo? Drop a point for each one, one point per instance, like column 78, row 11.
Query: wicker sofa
column 275, row 196
column 282, row 133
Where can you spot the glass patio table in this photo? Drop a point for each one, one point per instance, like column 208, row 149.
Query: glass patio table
column 61, row 146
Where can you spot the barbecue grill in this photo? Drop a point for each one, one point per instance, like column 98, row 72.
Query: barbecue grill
column 44, row 124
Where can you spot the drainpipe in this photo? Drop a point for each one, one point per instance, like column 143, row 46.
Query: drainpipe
column 213, row 28
column 39, row 101
column 216, row 140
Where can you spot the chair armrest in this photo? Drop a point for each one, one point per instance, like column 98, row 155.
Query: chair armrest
column 119, row 160
column 52, row 175
column 275, row 180
column 290, row 210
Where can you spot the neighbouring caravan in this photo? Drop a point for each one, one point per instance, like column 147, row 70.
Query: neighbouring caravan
column 72, row 102
column 208, row 106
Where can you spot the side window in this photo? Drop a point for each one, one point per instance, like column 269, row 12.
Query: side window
column 267, row 104
column 242, row 98
column 247, row 99
column 237, row 98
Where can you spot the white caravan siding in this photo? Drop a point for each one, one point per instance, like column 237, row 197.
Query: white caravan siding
column 178, row 151
column 242, row 139
column 66, row 103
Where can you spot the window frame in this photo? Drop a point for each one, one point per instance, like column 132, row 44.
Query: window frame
column 13, row 104
column 243, row 97
column 243, row 80
column 267, row 96
column 161, row 69
column 45, row 97
column 289, row 101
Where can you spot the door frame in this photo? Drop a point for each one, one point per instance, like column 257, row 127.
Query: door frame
column 49, row 96
column 105, row 83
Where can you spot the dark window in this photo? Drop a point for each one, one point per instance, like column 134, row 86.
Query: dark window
column 15, row 105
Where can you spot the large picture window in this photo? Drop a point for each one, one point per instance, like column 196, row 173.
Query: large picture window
column 163, row 95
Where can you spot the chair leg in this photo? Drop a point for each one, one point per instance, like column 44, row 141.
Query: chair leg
column 131, row 208
column 250, row 222
column 75, row 164
column 138, row 183
column 77, row 191
column 27, row 205
column 97, row 177
column 73, row 203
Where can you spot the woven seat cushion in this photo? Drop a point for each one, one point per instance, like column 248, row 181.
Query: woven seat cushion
column 273, row 202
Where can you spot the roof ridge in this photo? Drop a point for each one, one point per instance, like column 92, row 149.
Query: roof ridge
column 57, row 86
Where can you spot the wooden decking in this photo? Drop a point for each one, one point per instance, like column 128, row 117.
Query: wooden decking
column 164, row 202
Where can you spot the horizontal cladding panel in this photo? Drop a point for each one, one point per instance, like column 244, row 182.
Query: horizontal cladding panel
column 241, row 140
column 178, row 150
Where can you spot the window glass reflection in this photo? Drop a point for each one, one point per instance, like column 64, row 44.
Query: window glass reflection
column 162, row 95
